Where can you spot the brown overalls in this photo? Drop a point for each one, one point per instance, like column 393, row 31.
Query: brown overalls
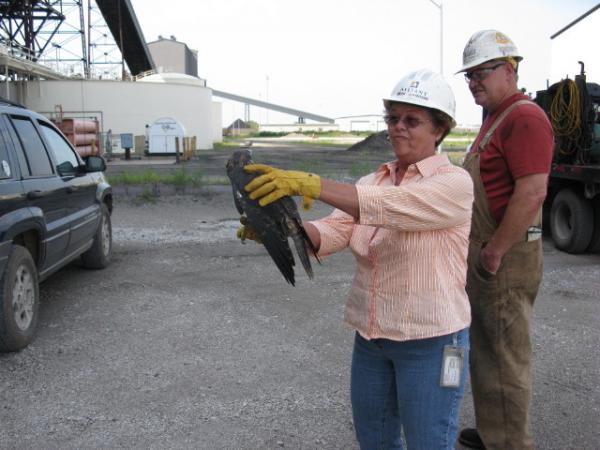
column 501, row 307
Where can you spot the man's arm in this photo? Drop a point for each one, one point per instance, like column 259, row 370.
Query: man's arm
column 523, row 206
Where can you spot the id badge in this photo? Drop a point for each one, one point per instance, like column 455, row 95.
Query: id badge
column 452, row 364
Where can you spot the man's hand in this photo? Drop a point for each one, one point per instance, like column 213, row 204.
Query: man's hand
column 247, row 232
column 277, row 183
column 489, row 260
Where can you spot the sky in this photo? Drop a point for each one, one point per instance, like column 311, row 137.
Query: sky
column 339, row 58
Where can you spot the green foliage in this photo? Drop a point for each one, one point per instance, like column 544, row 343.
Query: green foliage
column 134, row 178
column 456, row 158
column 147, row 196
column 269, row 134
column 150, row 177
column 226, row 145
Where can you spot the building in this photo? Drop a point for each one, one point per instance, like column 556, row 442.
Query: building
column 129, row 106
column 170, row 55
column 367, row 122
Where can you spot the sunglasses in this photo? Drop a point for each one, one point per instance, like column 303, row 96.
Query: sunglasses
column 481, row 74
column 408, row 121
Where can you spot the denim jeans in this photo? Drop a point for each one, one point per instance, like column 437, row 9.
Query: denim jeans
column 395, row 389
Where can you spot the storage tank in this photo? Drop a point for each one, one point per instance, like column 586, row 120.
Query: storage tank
column 83, row 134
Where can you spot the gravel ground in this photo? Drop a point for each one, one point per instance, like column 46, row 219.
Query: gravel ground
column 190, row 340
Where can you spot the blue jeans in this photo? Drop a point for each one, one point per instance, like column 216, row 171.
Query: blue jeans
column 395, row 388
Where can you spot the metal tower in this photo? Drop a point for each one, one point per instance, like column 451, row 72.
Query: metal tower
column 59, row 34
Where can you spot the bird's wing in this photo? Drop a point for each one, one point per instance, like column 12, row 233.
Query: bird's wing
column 298, row 234
column 268, row 224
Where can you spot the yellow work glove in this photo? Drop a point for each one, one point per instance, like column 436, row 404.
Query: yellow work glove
column 247, row 232
column 277, row 183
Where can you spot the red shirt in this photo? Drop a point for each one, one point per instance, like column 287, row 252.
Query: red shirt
column 522, row 145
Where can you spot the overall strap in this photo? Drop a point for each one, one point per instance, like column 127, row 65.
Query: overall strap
column 488, row 135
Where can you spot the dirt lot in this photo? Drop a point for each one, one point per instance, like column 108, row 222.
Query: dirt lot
column 191, row 340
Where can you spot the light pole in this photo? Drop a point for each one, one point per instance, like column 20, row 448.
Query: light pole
column 267, row 99
column 439, row 5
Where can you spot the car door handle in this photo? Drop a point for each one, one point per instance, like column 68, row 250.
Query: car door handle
column 32, row 195
column 72, row 189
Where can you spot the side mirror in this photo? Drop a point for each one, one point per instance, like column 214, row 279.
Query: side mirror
column 94, row 163
column 66, row 169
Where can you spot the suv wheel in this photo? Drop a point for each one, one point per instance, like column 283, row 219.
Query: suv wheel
column 19, row 300
column 99, row 254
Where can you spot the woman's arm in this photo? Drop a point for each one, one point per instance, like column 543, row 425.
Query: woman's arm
column 313, row 235
column 342, row 196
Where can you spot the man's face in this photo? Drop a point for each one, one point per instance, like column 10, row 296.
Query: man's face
column 489, row 82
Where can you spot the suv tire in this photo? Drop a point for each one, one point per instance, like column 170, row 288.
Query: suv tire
column 99, row 254
column 19, row 300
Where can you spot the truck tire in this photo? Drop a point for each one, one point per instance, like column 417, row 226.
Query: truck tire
column 99, row 254
column 594, row 246
column 19, row 300
column 571, row 221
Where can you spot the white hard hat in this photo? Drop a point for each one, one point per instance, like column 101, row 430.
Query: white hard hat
column 487, row 45
column 425, row 88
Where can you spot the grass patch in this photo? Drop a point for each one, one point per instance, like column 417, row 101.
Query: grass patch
column 134, row 178
column 148, row 195
column 227, row 144
column 216, row 181
column 361, row 168
column 309, row 165
column 150, row 177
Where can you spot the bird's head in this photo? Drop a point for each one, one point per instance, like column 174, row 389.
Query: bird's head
column 239, row 159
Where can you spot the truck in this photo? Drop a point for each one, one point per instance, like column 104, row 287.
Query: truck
column 572, row 205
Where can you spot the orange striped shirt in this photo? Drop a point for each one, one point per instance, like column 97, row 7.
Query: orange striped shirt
column 410, row 245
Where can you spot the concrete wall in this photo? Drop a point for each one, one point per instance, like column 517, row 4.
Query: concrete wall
column 126, row 106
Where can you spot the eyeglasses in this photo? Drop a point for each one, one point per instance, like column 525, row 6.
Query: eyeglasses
column 481, row 74
column 408, row 121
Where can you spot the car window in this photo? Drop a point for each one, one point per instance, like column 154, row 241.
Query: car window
column 37, row 157
column 62, row 151
column 5, row 168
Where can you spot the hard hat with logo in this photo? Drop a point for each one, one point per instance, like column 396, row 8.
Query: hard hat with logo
column 425, row 88
column 487, row 45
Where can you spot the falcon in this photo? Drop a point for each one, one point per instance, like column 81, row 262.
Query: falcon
column 273, row 223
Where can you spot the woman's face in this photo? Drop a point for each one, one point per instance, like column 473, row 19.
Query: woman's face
column 412, row 133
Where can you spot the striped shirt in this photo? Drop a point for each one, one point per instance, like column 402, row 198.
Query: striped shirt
column 410, row 245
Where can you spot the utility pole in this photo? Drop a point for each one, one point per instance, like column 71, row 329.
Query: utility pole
column 440, row 6
column 267, row 99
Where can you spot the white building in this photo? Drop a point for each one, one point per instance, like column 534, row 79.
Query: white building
column 128, row 106
column 371, row 122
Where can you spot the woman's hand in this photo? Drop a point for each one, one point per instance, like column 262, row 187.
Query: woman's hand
column 277, row 183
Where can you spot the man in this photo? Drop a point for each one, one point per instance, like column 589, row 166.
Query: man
column 509, row 163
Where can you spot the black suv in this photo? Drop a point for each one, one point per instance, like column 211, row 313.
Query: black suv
column 54, row 207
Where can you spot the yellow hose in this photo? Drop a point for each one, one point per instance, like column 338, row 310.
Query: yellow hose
column 565, row 113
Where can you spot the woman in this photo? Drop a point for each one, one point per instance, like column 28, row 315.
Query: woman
column 408, row 227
